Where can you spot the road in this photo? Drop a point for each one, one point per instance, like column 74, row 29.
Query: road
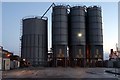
column 60, row 72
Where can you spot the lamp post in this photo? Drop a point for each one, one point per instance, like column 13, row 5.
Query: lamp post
column 1, row 57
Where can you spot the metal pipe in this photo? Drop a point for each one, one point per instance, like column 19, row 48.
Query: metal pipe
column 48, row 9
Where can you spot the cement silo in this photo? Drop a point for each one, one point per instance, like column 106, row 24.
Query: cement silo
column 34, row 41
column 59, row 34
column 77, row 36
column 94, row 34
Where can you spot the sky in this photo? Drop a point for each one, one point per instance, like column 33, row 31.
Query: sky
column 1, row 23
column 13, row 12
column 119, row 25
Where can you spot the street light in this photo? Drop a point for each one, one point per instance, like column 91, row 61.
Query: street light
column 79, row 34
column 8, row 55
column 24, row 60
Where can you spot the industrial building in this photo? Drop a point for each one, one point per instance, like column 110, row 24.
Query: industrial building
column 8, row 60
column 77, row 37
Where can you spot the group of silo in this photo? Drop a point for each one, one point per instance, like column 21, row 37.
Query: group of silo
column 77, row 37
column 80, row 29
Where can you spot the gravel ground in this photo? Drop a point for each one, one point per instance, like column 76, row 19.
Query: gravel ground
column 59, row 72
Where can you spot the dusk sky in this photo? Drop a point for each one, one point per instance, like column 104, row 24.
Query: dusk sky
column 119, row 26
column 13, row 12
column 0, row 23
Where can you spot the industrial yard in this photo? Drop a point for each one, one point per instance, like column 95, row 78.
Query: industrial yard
column 77, row 40
column 76, row 50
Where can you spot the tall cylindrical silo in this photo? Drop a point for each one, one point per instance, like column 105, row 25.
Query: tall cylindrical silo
column 59, row 34
column 94, row 34
column 77, row 36
column 34, row 41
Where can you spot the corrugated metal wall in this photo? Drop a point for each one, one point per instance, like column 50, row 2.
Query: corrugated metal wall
column 34, row 41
